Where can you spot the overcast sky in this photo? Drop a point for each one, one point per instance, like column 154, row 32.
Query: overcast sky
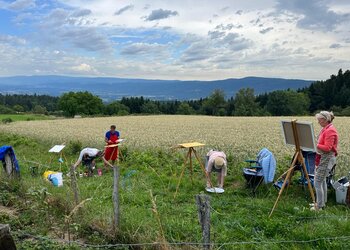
column 175, row 39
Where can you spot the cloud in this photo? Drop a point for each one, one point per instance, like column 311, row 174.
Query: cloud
column 335, row 46
column 67, row 31
column 315, row 14
column 20, row 5
column 122, row 10
column 198, row 51
column 87, row 38
column 224, row 9
column 264, row 31
column 216, row 34
column 228, row 26
column 239, row 12
column 152, row 49
column 160, row 14
column 84, row 68
column 81, row 13
column 235, row 42
column 13, row 40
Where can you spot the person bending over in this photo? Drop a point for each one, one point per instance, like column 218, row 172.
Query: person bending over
column 88, row 158
column 216, row 162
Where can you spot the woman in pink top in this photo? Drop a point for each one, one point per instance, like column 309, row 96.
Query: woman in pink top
column 327, row 143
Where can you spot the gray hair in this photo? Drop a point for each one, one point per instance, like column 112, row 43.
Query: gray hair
column 328, row 116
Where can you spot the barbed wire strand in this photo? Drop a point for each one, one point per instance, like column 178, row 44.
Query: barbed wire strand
column 336, row 238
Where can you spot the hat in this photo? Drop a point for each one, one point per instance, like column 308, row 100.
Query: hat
column 219, row 162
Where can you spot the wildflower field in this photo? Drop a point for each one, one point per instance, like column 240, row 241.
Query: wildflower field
column 239, row 218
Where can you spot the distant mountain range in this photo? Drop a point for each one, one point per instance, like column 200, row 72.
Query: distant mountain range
column 109, row 88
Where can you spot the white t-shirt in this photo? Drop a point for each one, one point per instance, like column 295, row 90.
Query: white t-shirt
column 92, row 152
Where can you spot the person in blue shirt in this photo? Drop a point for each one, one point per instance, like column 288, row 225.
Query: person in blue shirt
column 111, row 139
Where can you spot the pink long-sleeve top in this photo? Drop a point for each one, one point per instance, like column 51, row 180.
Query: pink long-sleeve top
column 327, row 141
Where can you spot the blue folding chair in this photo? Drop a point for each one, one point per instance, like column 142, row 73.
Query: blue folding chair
column 261, row 169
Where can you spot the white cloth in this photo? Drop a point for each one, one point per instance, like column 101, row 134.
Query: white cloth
column 92, row 152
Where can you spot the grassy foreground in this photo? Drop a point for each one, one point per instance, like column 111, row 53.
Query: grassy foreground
column 35, row 207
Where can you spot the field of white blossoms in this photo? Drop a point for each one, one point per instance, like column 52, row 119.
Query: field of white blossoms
column 241, row 137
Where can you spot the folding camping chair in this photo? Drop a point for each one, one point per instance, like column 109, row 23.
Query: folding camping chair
column 9, row 161
column 261, row 169
column 309, row 158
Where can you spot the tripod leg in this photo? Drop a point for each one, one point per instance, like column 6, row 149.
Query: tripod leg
column 284, row 184
column 203, row 168
column 191, row 168
column 182, row 173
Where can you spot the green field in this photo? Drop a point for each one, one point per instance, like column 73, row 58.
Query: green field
column 23, row 117
column 239, row 218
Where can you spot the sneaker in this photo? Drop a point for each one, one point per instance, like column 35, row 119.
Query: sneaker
column 312, row 204
column 314, row 208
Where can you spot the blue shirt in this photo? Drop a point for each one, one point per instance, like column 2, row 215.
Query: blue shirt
column 109, row 134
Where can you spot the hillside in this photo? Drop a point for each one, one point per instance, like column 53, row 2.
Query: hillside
column 116, row 88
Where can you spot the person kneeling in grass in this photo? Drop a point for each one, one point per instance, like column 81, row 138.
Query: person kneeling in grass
column 88, row 158
column 216, row 162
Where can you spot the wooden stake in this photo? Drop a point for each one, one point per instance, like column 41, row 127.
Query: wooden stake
column 6, row 240
column 73, row 179
column 203, row 204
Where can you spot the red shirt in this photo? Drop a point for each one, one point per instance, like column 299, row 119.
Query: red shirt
column 327, row 141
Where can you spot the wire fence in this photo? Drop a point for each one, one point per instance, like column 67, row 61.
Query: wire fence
column 196, row 244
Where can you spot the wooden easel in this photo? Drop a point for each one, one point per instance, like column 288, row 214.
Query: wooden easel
column 298, row 157
column 190, row 153
column 62, row 157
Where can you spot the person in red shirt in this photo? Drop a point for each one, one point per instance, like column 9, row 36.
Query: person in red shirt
column 111, row 138
column 327, row 143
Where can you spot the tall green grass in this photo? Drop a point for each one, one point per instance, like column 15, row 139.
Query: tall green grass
column 238, row 215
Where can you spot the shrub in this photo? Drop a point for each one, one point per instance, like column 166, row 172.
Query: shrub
column 7, row 120
column 74, row 147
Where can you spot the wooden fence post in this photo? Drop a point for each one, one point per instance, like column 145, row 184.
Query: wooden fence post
column 203, row 203
column 74, row 185
column 116, row 197
column 6, row 240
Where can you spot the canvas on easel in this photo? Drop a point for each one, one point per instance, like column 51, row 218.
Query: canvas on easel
column 301, row 136
column 58, row 149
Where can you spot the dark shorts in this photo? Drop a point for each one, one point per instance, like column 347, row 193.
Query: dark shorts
column 87, row 161
column 216, row 170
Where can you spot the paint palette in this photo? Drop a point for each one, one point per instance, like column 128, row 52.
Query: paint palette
column 215, row 190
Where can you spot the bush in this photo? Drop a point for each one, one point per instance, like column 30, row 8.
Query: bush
column 7, row 120
column 74, row 147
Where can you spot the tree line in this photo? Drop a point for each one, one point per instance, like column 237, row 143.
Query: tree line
column 332, row 94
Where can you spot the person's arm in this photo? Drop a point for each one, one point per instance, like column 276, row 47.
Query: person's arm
column 79, row 159
column 210, row 165
column 107, row 137
column 224, row 171
column 77, row 163
column 328, row 142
